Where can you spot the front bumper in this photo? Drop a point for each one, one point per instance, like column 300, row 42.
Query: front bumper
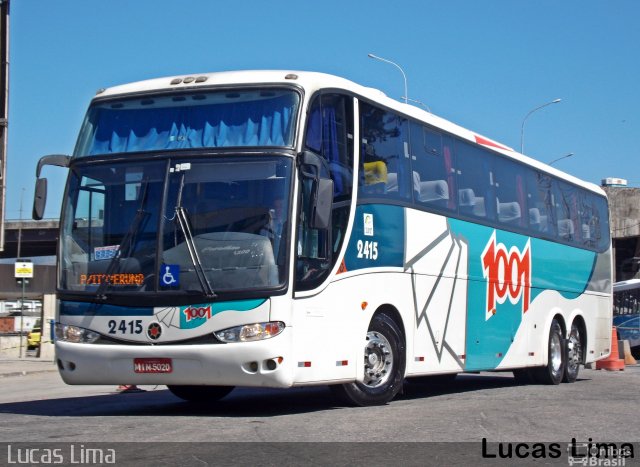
column 263, row 363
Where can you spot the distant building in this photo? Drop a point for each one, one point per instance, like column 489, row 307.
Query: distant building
column 624, row 208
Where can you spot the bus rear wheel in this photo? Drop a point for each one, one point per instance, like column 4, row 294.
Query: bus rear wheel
column 574, row 355
column 553, row 371
column 384, row 364
column 201, row 394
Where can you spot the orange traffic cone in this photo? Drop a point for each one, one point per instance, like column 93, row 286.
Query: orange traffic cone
column 613, row 362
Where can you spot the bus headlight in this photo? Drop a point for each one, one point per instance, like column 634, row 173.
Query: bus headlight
column 67, row 333
column 251, row 332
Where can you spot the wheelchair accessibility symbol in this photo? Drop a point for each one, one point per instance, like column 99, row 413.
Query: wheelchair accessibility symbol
column 170, row 275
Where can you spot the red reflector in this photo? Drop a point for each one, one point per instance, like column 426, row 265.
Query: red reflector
column 304, row 364
column 419, row 359
column 342, row 363
column 462, row 357
column 531, row 354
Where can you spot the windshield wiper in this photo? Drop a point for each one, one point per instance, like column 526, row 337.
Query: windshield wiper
column 127, row 242
column 183, row 221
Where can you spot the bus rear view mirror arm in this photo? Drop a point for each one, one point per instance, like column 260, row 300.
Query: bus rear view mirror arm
column 40, row 195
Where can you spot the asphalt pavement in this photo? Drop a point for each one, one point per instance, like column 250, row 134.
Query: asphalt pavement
column 11, row 366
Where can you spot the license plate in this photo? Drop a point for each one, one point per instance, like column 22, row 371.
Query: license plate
column 152, row 365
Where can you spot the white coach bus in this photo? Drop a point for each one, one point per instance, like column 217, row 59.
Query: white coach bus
column 279, row 229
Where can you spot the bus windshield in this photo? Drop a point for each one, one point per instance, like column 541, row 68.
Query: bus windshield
column 191, row 225
column 251, row 117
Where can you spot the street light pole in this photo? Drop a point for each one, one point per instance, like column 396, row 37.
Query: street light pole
column 555, row 101
column 416, row 101
column 404, row 76
column 23, row 279
column 560, row 158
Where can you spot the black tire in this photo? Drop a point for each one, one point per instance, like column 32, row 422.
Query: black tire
column 385, row 359
column 574, row 355
column 553, row 371
column 200, row 394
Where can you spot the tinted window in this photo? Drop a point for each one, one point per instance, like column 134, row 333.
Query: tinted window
column 565, row 199
column 220, row 119
column 330, row 134
column 509, row 183
column 476, row 190
column 433, row 176
column 450, row 175
column 384, row 162
column 541, row 206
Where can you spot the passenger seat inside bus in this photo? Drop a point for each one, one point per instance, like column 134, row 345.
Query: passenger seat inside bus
column 434, row 191
column 534, row 218
column 565, row 229
column 375, row 177
column 392, row 183
column 509, row 213
column 470, row 204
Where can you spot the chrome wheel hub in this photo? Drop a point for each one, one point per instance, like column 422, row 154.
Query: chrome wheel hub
column 378, row 360
column 574, row 350
column 556, row 353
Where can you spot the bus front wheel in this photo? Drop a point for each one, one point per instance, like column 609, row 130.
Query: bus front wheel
column 384, row 363
column 202, row 394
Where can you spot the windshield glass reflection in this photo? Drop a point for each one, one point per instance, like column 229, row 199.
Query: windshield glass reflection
column 224, row 226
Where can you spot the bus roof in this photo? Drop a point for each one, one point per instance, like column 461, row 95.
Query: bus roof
column 313, row 81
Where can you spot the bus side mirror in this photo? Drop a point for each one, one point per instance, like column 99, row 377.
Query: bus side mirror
column 311, row 166
column 321, row 218
column 39, row 199
column 40, row 195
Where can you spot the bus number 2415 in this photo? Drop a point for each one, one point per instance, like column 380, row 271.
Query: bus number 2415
column 367, row 249
column 125, row 327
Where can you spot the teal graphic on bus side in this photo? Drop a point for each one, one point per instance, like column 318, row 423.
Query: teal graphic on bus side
column 193, row 316
column 377, row 239
column 490, row 332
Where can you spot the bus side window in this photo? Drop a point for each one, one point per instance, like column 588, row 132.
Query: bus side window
column 540, row 203
column 566, row 204
column 384, row 158
column 508, row 179
column 330, row 134
column 432, row 166
column 476, row 190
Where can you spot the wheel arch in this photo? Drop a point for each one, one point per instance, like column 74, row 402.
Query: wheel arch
column 393, row 313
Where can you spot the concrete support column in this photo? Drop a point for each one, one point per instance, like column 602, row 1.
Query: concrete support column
column 47, row 349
